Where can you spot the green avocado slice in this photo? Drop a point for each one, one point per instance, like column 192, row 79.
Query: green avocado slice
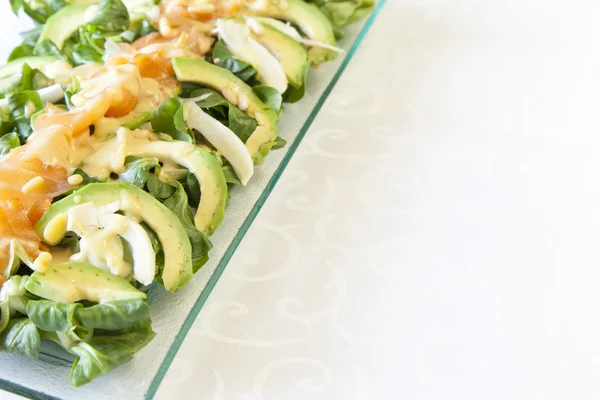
column 171, row 233
column 311, row 21
column 291, row 54
column 237, row 92
column 60, row 26
column 15, row 66
column 75, row 281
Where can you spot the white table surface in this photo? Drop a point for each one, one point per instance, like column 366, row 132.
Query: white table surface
column 436, row 235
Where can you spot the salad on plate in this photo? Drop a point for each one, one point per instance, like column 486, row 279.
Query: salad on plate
column 122, row 125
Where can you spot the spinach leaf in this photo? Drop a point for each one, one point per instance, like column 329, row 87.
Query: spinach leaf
column 279, row 143
column 168, row 118
column 143, row 173
column 21, row 106
column 21, row 336
column 219, row 108
column 230, row 175
column 107, row 350
column 178, row 203
column 344, row 12
column 192, row 189
column 37, row 10
column 269, row 95
column 112, row 17
column 14, row 294
column 31, row 36
column 28, row 79
column 47, row 48
column 293, row 94
column 223, row 57
column 52, row 316
column 8, row 142
column 22, row 50
column 4, row 315
column 114, row 315
column 140, row 29
column 240, row 123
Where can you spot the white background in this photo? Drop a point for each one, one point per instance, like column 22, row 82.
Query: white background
column 436, row 235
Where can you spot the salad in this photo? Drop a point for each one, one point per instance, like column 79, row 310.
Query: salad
column 122, row 125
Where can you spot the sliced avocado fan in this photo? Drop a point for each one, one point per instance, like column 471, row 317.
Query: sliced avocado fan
column 75, row 281
column 238, row 93
column 307, row 16
column 171, row 233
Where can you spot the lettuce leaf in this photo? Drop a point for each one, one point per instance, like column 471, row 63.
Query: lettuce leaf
column 37, row 10
column 269, row 95
column 344, row 12
column 178, row 203
column 4, row 315
column 21, row 336
column 114, row 315
column 8, row 142
column 107, row 350
column 52, row 316
column 218, row 107
column 168, row 118
column 21, row 106
column 223, row 57
column 143, row 173
column 111, row 18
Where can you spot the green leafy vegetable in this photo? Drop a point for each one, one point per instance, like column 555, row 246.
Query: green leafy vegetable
column 344, row 12
column 107, row 350
column 279, row 143
column 21, row 336
column 168, row 118
column 178, row 203
column 269, row 95
column 14, row 293
column 112, row 17
column 240, row 123
column 21, row 106
column 52, row 316
column 38, row 10
column 223, row 57
column 8, row 142
column 143, row 173
column 48, row 48
column 22, row 50
column 140, row 29
column 230, row 175
column 218, row 107
column 293, row 94
column 4, row 315
column 114, row 315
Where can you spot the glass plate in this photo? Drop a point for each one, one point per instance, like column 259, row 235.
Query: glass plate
column 174, row 314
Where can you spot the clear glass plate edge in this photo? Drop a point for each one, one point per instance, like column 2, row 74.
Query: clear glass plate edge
column 24, row 391
column 162, row 371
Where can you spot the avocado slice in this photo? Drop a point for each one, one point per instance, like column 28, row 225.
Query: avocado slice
column 76, row 281
column 222, row 138
column 15, row 66
column 205, row 167
column 171, row 233
column 311, row 21
column 201, row 163
column 291, row 54
column 238, row 93
column 235, row 35
column 11, row 71
column 60, row 26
